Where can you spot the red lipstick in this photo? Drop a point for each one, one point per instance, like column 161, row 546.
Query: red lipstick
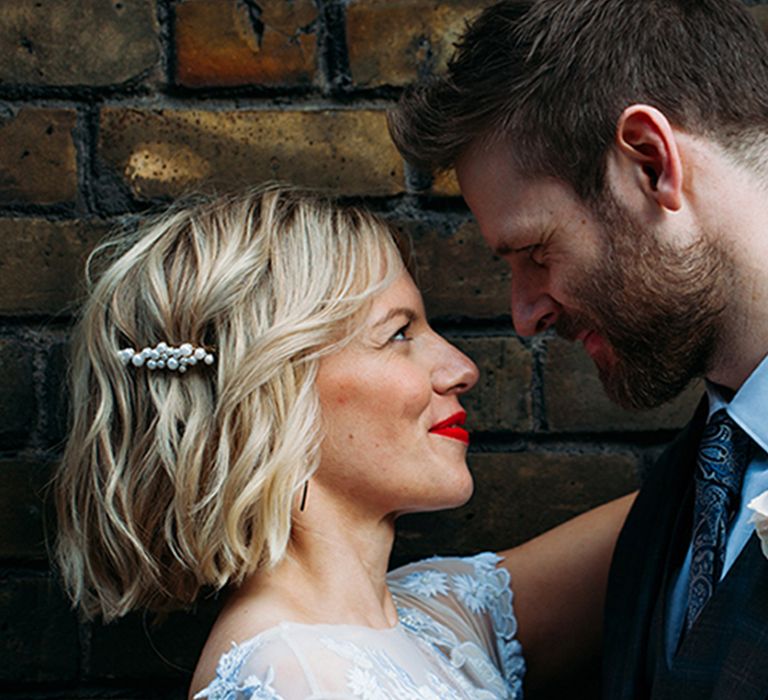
column 451, row 427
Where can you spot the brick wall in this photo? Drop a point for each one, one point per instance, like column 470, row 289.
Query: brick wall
column 108, row 107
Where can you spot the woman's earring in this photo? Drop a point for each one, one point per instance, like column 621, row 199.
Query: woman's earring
column 304, row 495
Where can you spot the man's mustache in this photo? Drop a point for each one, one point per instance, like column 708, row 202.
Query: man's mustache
column 569, row 325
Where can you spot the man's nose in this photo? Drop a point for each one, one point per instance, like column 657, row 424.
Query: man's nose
column 533, row 309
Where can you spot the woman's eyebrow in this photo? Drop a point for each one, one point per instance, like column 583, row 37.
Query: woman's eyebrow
column 406, row 311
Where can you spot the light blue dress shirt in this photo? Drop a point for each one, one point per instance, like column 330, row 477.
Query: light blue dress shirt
column 748, row 408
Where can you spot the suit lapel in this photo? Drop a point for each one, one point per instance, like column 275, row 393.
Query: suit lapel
column 638, row 567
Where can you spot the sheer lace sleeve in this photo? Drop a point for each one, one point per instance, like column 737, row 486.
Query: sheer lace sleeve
column 263, row 668
column 466, row 605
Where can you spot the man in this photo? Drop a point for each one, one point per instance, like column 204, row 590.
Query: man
column 615, row 154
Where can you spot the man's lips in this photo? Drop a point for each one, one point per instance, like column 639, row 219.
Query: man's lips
column 592, row 342
column 451, row 427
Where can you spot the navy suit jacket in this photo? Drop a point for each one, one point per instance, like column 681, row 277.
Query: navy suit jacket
column 724, row 656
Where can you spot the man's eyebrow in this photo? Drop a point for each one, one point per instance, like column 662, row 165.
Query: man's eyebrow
column 406, row 311
column 503, row 249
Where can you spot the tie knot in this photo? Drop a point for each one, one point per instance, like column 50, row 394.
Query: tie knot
column 723, row 453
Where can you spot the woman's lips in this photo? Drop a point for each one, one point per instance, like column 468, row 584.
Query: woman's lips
column 451, row 427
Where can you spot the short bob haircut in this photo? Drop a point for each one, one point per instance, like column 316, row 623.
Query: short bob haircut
column 171, row 484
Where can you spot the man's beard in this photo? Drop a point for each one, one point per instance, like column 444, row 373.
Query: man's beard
column 657, row 306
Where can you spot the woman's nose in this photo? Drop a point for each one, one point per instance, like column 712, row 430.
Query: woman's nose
column 455, row 373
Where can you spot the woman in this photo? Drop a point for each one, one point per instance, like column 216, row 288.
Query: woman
column 258, row 396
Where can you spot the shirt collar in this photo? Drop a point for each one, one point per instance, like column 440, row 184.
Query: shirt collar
column 749, row 406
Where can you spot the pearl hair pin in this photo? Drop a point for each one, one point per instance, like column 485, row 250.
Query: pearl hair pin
column 164, row 356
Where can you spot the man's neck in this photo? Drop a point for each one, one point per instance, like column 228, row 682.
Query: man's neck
column 731, row 201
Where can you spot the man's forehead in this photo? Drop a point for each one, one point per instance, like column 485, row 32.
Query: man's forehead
column 518, row 204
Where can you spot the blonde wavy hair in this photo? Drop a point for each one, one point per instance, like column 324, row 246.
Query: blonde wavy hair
column 170, row 484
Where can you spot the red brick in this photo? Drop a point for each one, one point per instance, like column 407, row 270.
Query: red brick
column 42, row 263
column 40, row 640
column 393, row 42
column 501, row 400
column 89, row 42
column 37, row 157
column 22, row 509
column 166, row 152
column 217, row 43
column 517, row 496
column 456, row 272
column 445, row 184
column 575, row 400
column 18, row 405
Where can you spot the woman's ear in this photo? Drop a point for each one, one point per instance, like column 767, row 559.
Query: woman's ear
column 649, row 154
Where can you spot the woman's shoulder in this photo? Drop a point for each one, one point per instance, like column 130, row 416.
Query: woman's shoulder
column 469, row 599
column 253, row 667
column 306, row 660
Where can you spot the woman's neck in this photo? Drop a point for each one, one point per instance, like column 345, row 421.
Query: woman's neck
column 334, row 572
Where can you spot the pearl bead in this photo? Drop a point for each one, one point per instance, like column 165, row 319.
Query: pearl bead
column 164, row 356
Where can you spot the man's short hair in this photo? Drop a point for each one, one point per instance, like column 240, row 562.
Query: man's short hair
column 551, row 78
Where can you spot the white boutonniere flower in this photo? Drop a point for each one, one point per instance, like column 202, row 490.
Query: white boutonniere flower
column 760, row 519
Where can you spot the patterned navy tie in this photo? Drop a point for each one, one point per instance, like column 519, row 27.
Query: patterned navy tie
column 722, row 458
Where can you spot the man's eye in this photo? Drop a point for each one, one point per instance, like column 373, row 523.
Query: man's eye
column 534, row 252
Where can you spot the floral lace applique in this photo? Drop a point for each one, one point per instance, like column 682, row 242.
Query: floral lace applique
column 495, row 595
column 227, row 686
column 374, row 675
column 460, row 659
column 485, row 590
column 426, row 627
column 427, row 583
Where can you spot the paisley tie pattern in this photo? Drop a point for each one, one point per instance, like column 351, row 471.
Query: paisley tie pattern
column 722, row 458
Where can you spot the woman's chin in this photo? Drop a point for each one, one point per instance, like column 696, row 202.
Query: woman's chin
column 453, row 494
column 468, row 490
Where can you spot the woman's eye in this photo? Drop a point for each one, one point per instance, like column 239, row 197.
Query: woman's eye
column 401, row 334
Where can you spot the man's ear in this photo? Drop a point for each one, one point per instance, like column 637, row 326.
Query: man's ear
column 646, row 140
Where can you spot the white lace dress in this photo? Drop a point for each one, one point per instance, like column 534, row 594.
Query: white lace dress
column 455, row 639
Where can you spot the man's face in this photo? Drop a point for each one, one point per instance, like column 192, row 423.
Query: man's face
column 645, row 310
